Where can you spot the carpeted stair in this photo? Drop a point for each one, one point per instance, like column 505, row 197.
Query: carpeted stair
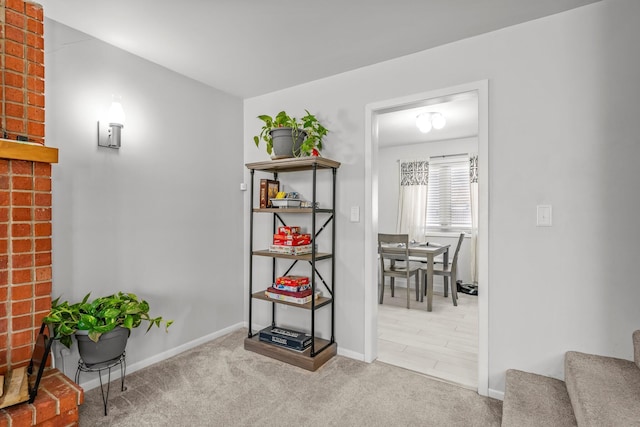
column 597, row 391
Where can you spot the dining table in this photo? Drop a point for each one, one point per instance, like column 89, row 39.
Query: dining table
column 426, row 253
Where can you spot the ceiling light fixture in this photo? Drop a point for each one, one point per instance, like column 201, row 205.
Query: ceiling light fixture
column 426, row 121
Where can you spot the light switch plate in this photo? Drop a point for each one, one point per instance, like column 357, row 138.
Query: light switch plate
column 355, row 214
column 544, row 216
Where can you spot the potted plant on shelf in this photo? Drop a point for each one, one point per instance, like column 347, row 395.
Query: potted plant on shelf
column 101, row 326
column 286, row 136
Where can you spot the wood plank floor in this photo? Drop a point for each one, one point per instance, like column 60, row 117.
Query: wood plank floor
column 442, row 343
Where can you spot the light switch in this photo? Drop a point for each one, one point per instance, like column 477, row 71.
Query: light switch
column 355, row 214
column 543, row 216
column 243, row 186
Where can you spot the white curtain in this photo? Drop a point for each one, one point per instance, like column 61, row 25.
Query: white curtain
column 412, row 203
column 473, row 184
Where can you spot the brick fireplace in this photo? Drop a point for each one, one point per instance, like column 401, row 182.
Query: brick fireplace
column 25, row 214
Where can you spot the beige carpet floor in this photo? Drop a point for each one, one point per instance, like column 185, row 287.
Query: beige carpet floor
column 221, row 384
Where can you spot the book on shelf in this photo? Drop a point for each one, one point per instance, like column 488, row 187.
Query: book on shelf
column 280, row 295
column 268, row 190
column 288, row 338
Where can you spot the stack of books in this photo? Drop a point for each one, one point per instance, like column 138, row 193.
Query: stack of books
column 288, row 338
column 288, row 240
column 293, row 289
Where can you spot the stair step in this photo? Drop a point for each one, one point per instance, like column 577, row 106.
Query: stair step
column 604, row 390
column 535, row 400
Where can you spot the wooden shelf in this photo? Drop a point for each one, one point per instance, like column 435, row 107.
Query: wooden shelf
column 294, row 164
column 320, row 301
column 291, row 210
column 307, row 257
column 300, row 359
column 27, row 151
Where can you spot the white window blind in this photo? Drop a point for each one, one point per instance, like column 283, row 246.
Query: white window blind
column 449, row 202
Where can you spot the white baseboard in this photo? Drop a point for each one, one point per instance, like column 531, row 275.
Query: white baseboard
column 496, row 394
column 351, row 354
column 115, row 374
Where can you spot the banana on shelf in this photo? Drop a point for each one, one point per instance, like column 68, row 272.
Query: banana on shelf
column 281, row 195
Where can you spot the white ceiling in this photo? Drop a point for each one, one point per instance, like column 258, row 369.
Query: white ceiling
column 460, row 110
column 252, row 47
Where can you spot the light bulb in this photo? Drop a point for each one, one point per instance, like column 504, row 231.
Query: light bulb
column 423, row 122
column 438, row 121
column 116, row 114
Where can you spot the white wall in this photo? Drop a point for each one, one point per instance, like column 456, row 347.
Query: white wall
column 159, row 217
column 389, row 183
column 563, row 131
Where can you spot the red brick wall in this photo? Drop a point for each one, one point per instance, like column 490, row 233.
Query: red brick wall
column 25, row 256
column 25, row 186
column 22, row 72
column 25, row 218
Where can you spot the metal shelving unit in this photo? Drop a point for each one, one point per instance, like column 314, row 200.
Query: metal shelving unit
column 320, row 350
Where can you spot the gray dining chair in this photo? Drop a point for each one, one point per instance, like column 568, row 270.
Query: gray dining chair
column 394, row 249
column 449, row 272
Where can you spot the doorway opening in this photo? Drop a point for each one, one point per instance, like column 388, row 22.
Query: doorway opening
column 378, row 151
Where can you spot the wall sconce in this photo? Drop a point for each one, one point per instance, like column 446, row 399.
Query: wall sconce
column 110, row 130
column 426, row 121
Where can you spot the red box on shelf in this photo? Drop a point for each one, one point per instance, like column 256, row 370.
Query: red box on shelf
column 291, row 240
column 294, row 237
column 293, row 229
column 292, row 280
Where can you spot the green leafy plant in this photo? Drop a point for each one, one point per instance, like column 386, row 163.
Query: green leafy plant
column 99, row 316
column 315, row 131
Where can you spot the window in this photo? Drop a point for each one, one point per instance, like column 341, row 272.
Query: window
column 448, row 198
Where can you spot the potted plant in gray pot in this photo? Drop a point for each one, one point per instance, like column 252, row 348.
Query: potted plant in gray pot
column 101, row 326
column 285, row 136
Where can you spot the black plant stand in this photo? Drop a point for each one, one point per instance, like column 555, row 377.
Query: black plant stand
column 99, row 367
